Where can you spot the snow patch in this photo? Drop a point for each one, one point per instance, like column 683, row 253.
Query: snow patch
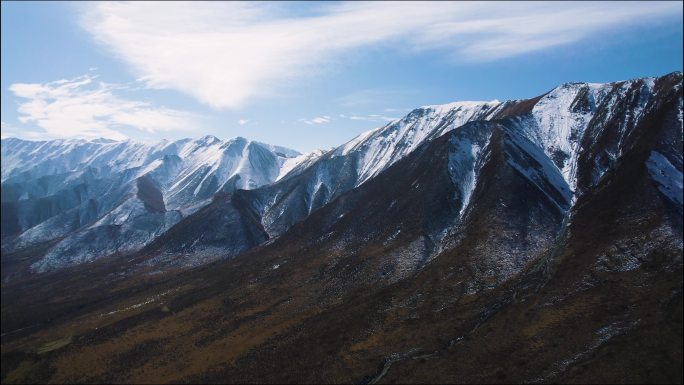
column 463, row 168
column 667, row 176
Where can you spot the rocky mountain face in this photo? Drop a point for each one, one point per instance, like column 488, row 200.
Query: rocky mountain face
column 90, row 199
column 563, row 142
column 269, row 211
column 534, row 240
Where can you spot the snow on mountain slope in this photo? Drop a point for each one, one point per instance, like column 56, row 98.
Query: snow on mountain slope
column 667, row 176
column 562, row 142
column 182, row 168
column 380, row 148
column 33, row 159
column 209, row 165
column 530, row 161
column 291, row 166
column 103, row 196
column 556, row 122
column 548, row 135
column 355, row 162
column 559, row 119
column 317, row 179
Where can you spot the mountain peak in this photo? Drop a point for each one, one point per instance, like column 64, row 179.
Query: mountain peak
column 462, row 104
column 209, row 139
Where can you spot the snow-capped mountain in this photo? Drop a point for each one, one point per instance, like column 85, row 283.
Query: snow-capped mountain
column 563, row 142
column 558, row 120
column 353, row 163
column 312, row 184
column 555, row 123
column 376, row 150
column 101, row 197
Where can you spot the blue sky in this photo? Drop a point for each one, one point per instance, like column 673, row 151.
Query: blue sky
column 304, row 75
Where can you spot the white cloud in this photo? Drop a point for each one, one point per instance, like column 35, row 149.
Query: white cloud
column 225, row 53
column 84, row 108
column 242, row 122
column 368, row 118
column 372, row 118
column 317, row 120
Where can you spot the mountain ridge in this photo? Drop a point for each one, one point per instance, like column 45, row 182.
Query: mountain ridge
column 94, row 197
column 554, row 122
column 287, row 202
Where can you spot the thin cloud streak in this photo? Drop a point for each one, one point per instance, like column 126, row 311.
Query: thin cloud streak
column 225, row 54
column 372, row 118
column 83, row 108
column 317, row 120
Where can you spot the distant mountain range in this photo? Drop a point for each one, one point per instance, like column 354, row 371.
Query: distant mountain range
column 93, row 199
column 96, row 198
column 535, row 240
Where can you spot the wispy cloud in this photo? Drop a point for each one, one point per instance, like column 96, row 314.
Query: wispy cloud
column 317, row 120
column 370, row 118
column 242, row 122
column 82, row 107
column 10, row 131
column 226, row 53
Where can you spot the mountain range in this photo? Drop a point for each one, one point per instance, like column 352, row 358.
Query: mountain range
column 96, row 198
column 535, row 240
